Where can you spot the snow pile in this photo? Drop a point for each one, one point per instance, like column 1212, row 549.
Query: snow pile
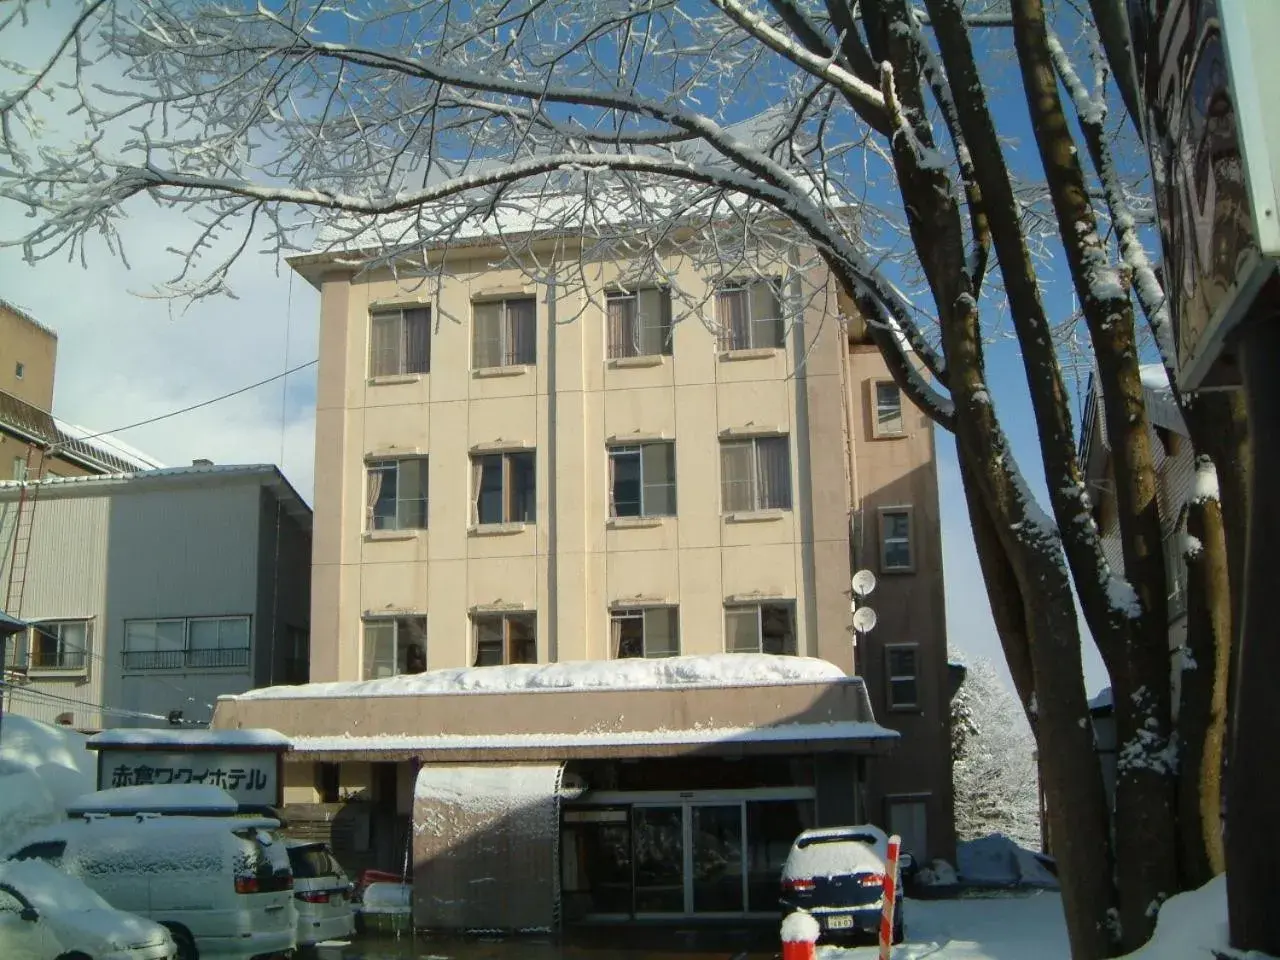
column 25, row 805
column 715, row 670
column 800, row 927
column 42, row 769
column 48, row 888
column 937, row 874
column 387, row 898
column 29, row 743
column 1191, row 926
column 996, row 861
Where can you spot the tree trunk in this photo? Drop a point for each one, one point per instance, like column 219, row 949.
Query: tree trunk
column 1202, row 713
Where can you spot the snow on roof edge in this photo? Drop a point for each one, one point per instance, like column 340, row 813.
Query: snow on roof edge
column 199, row 738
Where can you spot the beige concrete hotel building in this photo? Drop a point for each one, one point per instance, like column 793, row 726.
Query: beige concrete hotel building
column 509, row 472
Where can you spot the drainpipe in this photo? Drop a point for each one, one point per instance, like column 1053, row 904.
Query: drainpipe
column 553, row 513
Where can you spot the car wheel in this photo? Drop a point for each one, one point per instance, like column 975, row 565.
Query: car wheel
column 185, row 942
column 76, row 955
column 899, row 928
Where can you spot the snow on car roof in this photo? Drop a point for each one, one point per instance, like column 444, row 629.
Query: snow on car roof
column 48, row 888
column 156, row 798
column 837, row 851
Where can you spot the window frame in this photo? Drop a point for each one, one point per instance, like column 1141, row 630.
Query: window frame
column 401, row 311
column 382, row 463
column 758, row 606
column 726, row 339
column 617, row 450
column 396, row 621
column 186, row 661
column 635, row 348
column 507, row 490
column 754, row 442
column 642, row 613
column 19, row 370
column 506, row 358
column 890, row 678
column 877, row 431
column 506, row 617
column 882, row 514
column 86, row 652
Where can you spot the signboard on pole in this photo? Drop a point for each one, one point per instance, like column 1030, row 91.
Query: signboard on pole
column 1202, row 68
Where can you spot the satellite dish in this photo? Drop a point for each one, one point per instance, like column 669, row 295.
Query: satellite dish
column 864, row 620
column 863, row 582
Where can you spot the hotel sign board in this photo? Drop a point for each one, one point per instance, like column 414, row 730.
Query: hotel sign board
column 1204, row 68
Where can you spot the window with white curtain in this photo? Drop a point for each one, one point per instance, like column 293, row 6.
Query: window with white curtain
column 503, row 333
column 749, row 315
column 396, row 494
column 642, row 480
column 504, row 488
column 639, row 323
column 645, row 632
column 755, row 474
column 399, row 341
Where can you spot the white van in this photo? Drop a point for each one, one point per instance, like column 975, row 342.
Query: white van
column 222, row 885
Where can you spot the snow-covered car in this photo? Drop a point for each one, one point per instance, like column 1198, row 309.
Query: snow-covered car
column 837, row 875
column 321, row 893
column 47, row 915
column 222, row 885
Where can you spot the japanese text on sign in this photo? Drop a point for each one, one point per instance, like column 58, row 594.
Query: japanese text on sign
column 249, row 777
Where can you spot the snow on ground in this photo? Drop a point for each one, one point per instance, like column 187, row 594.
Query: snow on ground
column 1191, row 926
column 714, row 670
column 986, row 928
column 29, row 743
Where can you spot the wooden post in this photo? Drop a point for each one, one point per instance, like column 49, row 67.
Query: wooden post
column 889, row 895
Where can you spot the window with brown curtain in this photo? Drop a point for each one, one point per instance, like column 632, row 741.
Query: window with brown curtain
column 399, row 341
column 504, row 333
column 755, row 474
column 503, row 638
column 639, row 323
column 749, row 315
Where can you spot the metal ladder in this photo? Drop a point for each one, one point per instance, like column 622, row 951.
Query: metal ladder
column 21, row 545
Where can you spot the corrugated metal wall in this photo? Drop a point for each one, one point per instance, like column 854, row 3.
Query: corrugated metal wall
column 65, row 579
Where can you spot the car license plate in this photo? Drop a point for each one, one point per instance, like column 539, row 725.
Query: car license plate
column 838, row 922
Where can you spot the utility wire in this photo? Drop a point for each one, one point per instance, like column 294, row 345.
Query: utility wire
column 194, row 406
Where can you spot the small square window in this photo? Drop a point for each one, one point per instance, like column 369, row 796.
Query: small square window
column 505, row 638
column 755, row 474
column 750, row 315
column 394, row 646
column 396, row 494
column 761, row 628
column 642, row 480
column 902, row 675
column 897, row 554
column 639, row 323
column 646, row 632
column 503, row 333
column 888, row 410
column 504, row 488
column 399, row 342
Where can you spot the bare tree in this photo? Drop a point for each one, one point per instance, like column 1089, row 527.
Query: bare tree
column 863, row 132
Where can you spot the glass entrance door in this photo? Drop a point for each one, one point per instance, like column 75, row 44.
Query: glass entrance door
column 716, row 880
column 658, row 838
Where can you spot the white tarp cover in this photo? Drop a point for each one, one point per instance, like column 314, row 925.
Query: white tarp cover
column 486, row 840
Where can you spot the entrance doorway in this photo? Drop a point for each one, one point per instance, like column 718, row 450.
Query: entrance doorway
column 648, row 856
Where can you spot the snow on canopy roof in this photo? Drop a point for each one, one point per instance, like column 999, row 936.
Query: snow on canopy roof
column 111, row 444
column 156, row 798
column 714, row 670
column 189, row 738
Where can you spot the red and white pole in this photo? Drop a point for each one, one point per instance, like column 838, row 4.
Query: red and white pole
column 889, row 896
column 800, row 933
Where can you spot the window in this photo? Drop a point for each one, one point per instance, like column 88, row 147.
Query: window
column 19, row 369
column 506, row 638
column 639, row 323
column 888, row 422
column 394, row 645
column 908, row 817
column 504, row 488
column 642, row 480
column 327, row 782
column 399, row 341
column 179, row 643
column 760, row 628
column 503, row 333
column 901, row 669
column 749, row 315
column 895, row 541
column 648, row 632
column 60, row 645
column 20, row 469
column 396, row 494
column 1175, row 566
column 50, row 851
column 755, row 474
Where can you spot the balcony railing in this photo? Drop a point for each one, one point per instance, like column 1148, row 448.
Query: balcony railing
column 66, row 660
column 185, row 659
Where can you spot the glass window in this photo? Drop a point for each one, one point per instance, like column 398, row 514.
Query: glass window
column 645, row 632
column 642, row 480
column 888, row 421
column 394, row 646
column 639, row 323
column 505, row 638
column 182, row 643
column 505, row 487
column 901, row 667
column 399, row 341
column 396, row 494
column 760, row 628
column 895, row 540
column 504, row 333
column 60, row 645
column 750, row 315
column 755, row 474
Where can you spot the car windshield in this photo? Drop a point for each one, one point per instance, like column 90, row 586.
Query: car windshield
column 311, row 862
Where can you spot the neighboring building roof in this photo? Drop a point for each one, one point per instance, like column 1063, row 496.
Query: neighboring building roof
column 91, row 486
column 103, row 453
column 18, row 311
column 199, row 739
column 9, row 625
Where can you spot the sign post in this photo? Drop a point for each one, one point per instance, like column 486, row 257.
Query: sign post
column 889, row 896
